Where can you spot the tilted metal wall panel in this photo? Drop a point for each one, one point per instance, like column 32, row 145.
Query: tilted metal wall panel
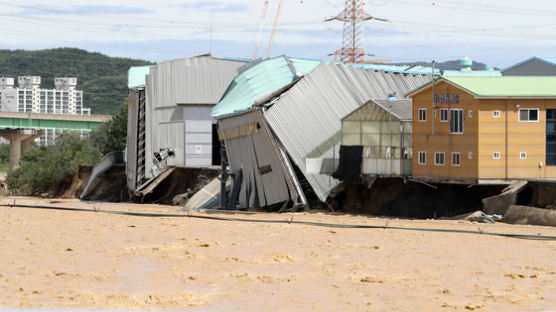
column 251, row 152
column 131, row 143
column 310, row 112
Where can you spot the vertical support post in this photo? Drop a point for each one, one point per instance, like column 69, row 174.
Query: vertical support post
column 15, row 151
column 433, row 99
column 224, row 177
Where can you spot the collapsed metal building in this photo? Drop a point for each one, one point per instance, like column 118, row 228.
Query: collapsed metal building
column 271, row 132
column 169, row 107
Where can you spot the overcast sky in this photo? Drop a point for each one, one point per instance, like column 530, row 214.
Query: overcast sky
column 497, row 32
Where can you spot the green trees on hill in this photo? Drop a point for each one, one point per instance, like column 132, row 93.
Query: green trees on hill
column 103, row 79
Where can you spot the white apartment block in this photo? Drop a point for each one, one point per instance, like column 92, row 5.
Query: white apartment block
column 28, row 97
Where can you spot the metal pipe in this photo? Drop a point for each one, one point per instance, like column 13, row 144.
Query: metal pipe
column 433, row 102
column 391, row 145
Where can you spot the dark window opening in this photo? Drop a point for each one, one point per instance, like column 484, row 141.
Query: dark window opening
column 216, row 157
column 551, row 137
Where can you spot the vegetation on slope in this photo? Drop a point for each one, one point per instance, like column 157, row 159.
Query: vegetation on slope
column 46, row 170
column 103, row 79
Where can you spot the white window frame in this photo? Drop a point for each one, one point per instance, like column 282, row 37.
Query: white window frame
column 458, row 158
column 522, row 155
column 470, row 155
column 470, row 114
column 442, row 111
column 496, row 155
column 424, row 157
column 424, row 110
column 443, row 159
column 528, row 109
column 462, row 120
column 496, row 114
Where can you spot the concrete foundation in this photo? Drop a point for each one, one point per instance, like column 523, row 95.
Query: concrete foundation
column 530, row 215
column 499, row 204
column 20, row 142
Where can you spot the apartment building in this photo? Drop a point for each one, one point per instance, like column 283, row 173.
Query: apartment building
column 29, row 97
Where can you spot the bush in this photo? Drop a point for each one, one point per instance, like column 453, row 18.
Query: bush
column 111, row 136
column 45, row 169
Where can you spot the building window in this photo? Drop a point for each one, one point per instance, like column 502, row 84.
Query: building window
column 422, row 114
column 551, row 137
column 443, row 115
column 529, row 114
column 456, row 121
column 439, row 158
column 470, row 114
column 496, row 155
column 496, row 114
column 455, row 159
column 422, row 158
column 523, row 155
column 470, row 155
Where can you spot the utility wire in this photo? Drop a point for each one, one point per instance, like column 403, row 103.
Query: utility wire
column 291, row 221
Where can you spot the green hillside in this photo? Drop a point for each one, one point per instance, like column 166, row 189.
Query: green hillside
column 103, row 79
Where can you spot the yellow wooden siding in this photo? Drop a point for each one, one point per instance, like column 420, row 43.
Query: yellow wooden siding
column 442, row 140
column 529, row 137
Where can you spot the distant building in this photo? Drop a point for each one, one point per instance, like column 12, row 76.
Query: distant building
column 535, row 66
column 465, row 64
column 484, row 129
column 28, row 97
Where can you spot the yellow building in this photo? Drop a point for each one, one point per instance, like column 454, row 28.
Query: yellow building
column 485, row 129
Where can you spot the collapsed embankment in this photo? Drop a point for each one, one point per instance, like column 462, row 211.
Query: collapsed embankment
column 392, row 197
column 398, row 198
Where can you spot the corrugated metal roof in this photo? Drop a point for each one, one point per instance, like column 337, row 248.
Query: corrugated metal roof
column 260, row 80
column 419, row 69
column 136, row 76
column 309, row 114
column 196, row 80
column 503, row 87
column 403, row 109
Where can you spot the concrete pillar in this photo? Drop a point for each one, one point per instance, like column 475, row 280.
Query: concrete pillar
column 15, row 152
column 26, row 145
column 20, row 142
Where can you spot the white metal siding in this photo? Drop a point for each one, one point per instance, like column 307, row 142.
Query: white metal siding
column 249, row 153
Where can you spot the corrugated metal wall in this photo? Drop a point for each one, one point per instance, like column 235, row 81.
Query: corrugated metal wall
column 179, row 95
column 253, row 151
column 310, row 112
column 131, row 145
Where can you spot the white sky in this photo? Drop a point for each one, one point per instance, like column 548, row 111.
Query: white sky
column 498, row 32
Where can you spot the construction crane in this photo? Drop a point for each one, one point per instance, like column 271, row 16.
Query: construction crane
column 261, row 27
column 353, row 17
column 274, row 28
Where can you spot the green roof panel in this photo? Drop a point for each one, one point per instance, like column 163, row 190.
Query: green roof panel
column 502, row 87
column 136, row 76
column 259, row 81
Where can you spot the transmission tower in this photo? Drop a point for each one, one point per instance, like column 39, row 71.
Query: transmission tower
column 353, row 17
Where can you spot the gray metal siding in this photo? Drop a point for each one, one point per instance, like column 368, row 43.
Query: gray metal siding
column 131, row 143
column 180, row 91
column 310, row 112
column 249, row 153
column 196, row 80
column 533, row 67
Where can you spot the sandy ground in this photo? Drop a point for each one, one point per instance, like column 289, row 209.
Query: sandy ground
column 59, row 259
